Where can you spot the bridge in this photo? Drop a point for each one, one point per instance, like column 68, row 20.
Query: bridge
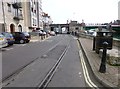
column 114, row 27
column 86, row 27
column 58, row 27
column 76, row 27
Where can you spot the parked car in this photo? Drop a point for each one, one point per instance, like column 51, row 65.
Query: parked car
column 68, row 32
column 38, row 32
column 52, row 33
column 92, row 32
column 47, row 31
column 3, row 41
column 21, row 37
column 9, row 38
column 44, row 33
column 27, row 35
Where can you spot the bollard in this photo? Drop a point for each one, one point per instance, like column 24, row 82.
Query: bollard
column 41, row 37
column 103, row 61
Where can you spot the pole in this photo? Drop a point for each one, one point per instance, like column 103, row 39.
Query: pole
column 3, row 16
column 103, row 61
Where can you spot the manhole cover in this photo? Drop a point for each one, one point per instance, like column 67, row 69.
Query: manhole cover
column 44, row 56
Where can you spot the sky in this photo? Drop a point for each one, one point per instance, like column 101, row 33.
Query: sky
column 91, row 11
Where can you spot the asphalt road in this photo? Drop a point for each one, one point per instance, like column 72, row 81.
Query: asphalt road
column 69, row 73
column 23, row 54
column 26, row 65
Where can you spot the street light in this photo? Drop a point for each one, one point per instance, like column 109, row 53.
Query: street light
column 4, row 26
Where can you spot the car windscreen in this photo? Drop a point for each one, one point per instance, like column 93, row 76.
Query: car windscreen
column 1, row 36
column 8, row 35
column 26, row 34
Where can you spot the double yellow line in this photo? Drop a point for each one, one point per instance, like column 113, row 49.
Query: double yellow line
column 85, row 70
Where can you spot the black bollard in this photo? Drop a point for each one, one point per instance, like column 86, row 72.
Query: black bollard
column 103, row 61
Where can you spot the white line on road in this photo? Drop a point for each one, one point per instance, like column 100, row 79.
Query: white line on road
column 9, row 48
column 6, row 49
column 23, row 44
column 85, row 72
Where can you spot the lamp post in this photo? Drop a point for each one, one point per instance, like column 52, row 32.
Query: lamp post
column 4, row 26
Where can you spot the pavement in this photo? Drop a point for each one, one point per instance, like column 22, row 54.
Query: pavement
column 39, row 38
column 112, row 76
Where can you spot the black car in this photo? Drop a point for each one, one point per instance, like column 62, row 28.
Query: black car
column 21, row 37
column 9, row 37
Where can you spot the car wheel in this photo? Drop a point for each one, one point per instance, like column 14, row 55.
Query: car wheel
column 11, row 44
column 22, row 41
column 27, row 41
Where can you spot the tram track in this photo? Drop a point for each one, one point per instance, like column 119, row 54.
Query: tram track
column 52, row 71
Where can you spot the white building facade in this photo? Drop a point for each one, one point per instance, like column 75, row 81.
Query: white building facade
column 33, row 14
column 40, row 17
column 22, row 15
column 12, row 16
column 46, row 21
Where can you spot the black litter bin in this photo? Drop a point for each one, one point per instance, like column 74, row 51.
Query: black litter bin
column 102, row 37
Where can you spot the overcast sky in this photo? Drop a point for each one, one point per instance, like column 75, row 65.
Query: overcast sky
column 91, row 11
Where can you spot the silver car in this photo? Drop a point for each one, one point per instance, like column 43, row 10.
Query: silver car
column 52, row 33
column 3, row 41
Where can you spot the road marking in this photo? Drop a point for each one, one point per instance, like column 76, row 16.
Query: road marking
column 9, row 49
column 85, row 72
column 75, row 38
column 6, row 49
column 23, row 44
column 80, row 73
column 48, row 40
column 78, row 44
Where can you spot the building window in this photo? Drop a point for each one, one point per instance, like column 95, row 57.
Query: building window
column 31, row 3
column 9, row 7
column 32, row 9
column 35, row 11
column 34, row 1
column 16, row 12
column 33, row 22
column 20, row 12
